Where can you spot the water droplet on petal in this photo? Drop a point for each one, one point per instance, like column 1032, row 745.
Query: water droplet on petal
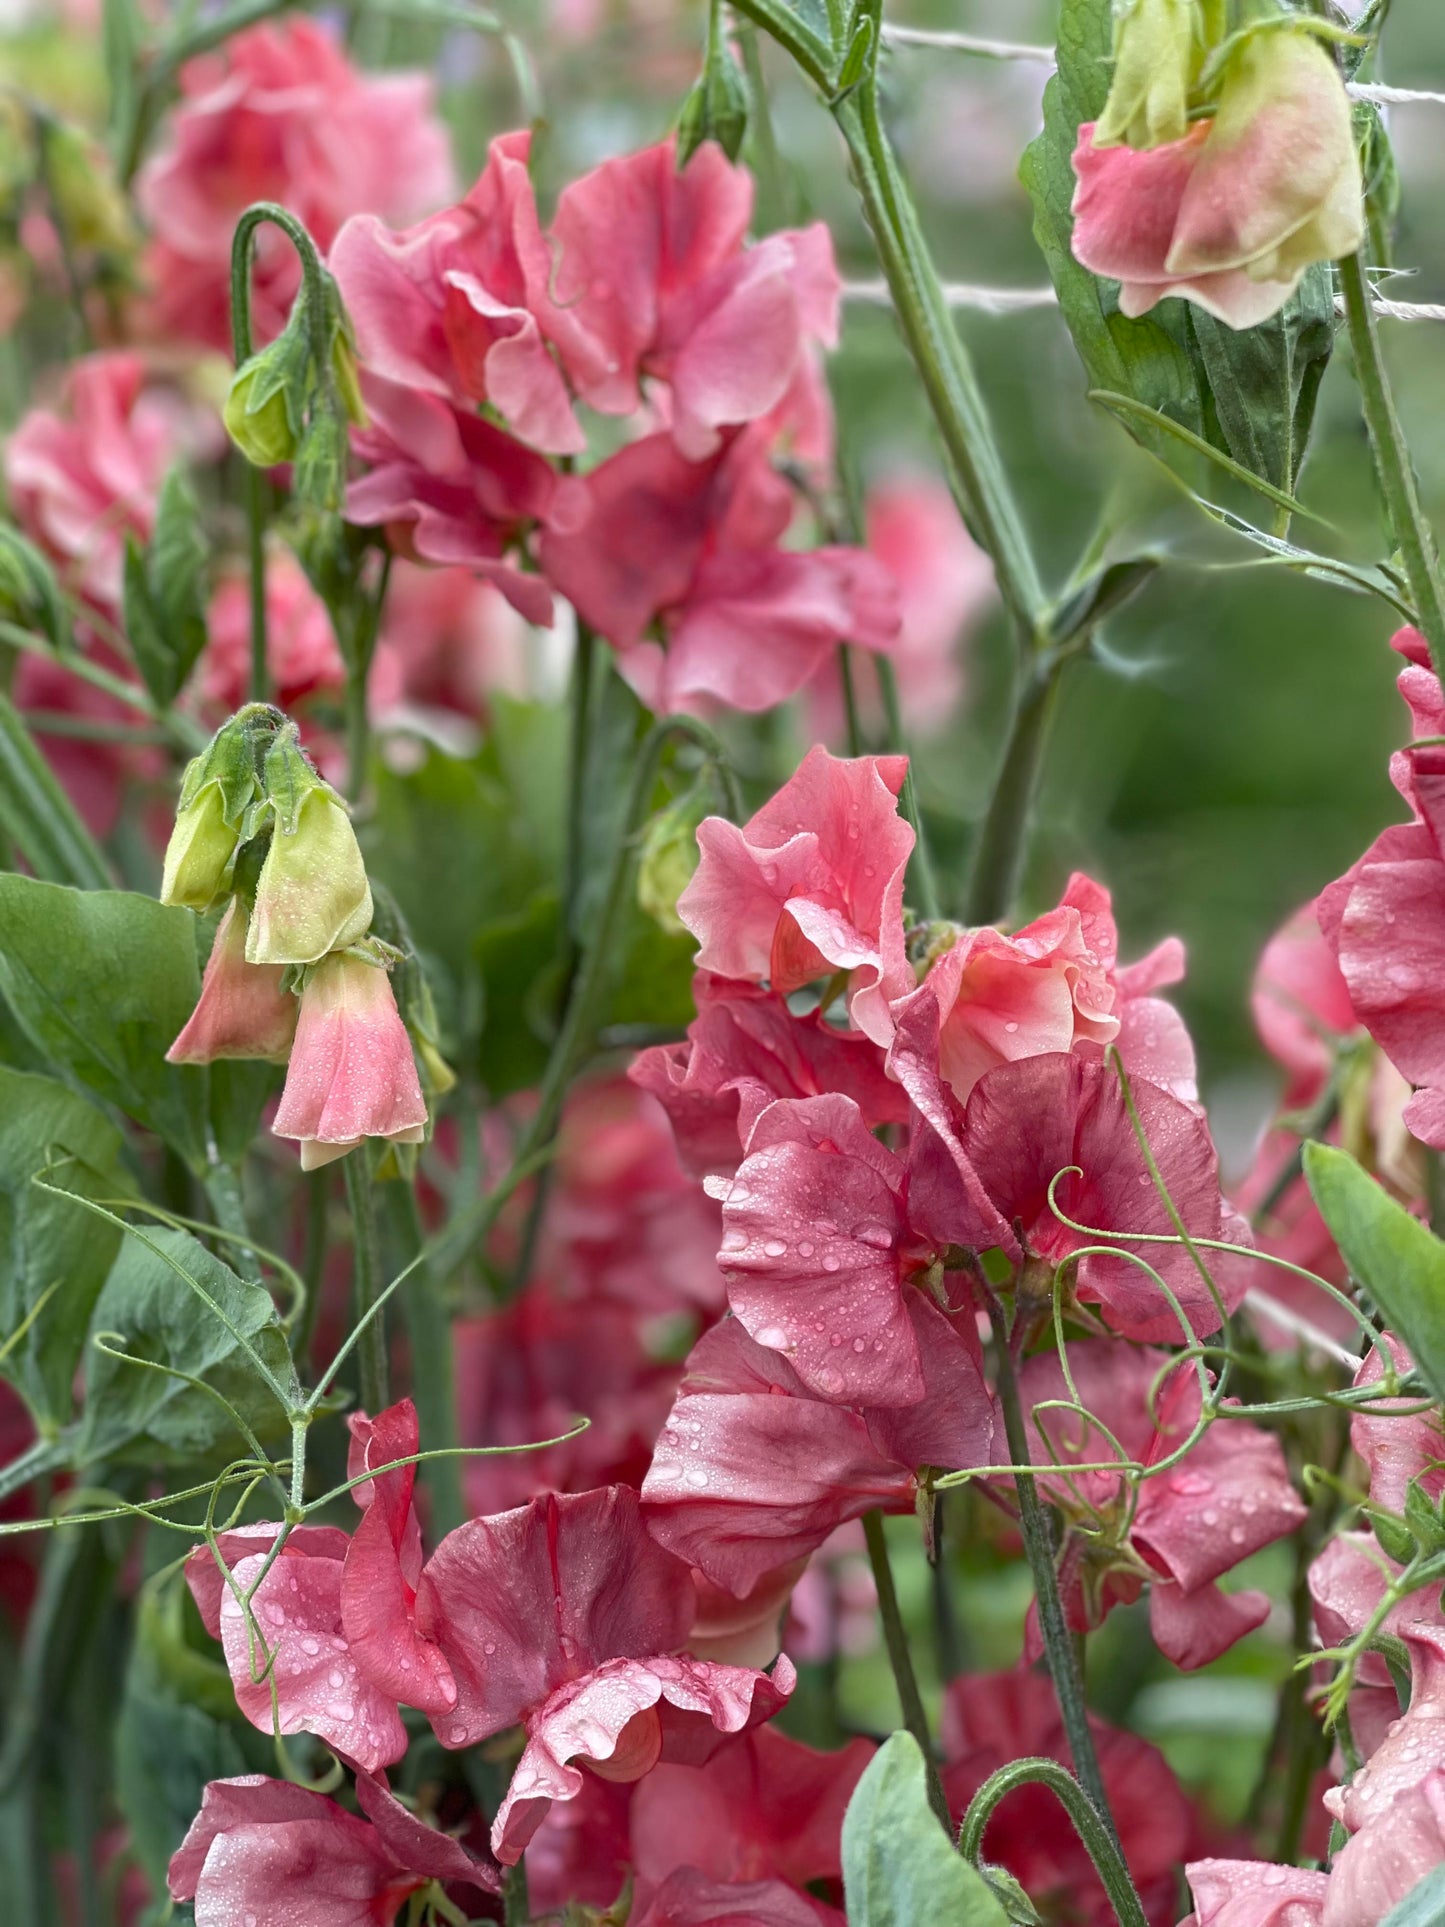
column 775, row 1248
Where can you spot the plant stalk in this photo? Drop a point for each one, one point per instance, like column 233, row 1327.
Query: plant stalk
column 371, row 1348
column 1412, row 532
column 1003, row 838
column 1098, row 1839
column 895, row 1635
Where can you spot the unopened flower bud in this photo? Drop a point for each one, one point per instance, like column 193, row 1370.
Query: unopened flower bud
column 313, row 896
column 668, row 859
column 242, row 1011
column 715, row 110
column 199, row 854
column 1157, row 57
column 266, row 407
column 352, row 1074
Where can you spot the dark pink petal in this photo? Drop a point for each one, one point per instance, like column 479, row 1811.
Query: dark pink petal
column 416, row 1846
column 523, row 1602
column 813, row 1243
column 251, row 1800
column 207, row 1582
column 1193, row 1628
column 688, row 1898
column 1301, row 1004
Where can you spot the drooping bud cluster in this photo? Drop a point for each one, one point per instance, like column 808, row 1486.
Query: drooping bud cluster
column 295, row 975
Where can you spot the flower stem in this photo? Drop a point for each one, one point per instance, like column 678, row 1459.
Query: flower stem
column 1393, row 467
column 1098, row 1838
column 922, row 886
column 1003, row 839
column 256, row 571
column 1058, row 1643
column 371, row 1351
column 895, row 1635
column 428, row 1330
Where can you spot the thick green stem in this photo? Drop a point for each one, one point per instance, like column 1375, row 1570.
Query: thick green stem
column 1099, row 1842
column 516, row 1903
column 1038, row 1545
column 256, row 569
column 1396, row 473
column 1003, row 838
column 895, row 1635
column 579, row 717
column 371, row 1349
column 433, row 1386
column 922, row 888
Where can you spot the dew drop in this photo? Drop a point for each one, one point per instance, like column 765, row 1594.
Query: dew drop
column 773, row 1338
column 1012, row 1028
column 311, row 1646
column 489, row 1647
column 830, row 1263
column 830, row 1382
column 806, row 1248
column 876, row 1235
column 860, row 1344
column 335, row 1677
column 775, row 1248
column 696, row 1477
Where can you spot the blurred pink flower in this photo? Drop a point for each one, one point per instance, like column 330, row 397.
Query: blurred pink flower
column 448, row 642
column 301, row 653
column 278, row 114
column 1301, row 1005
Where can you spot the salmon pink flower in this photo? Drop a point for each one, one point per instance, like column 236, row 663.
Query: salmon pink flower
column 750, row 1474
column 278, row 113
column 1251, row 1893
column 290, row 1639
column 652, row 281
column 990, row 1719
column 1389, row 1856
column 243, row 1011
column 565, row 1617
column 263, row 1849
column 352, row 1073
column 744, row 1049
column 1232, row 214
column 1301, row 1005
column 1385, row 918
column 811, row 884
column 1180, row 1531
column 652, row 540
column 688, row 1898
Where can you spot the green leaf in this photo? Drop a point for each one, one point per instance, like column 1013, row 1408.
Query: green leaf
column 102, row 981
column 1423, row 1906
column 201, row 1329
column 1397, row 1260
column 121, row 44
column 1139, row 411
column 37, row 815
column 1108, row 589
column 899, row 1867
column 29, row 593
column 1250, row 393
column 53, row 1256
column 165, row 593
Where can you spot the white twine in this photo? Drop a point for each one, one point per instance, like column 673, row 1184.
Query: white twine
column 981, row 300
column 1283, row 1319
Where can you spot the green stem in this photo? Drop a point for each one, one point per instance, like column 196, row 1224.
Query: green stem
column 516, row 1903
column 1003, row 838
column 313, row 285
column 900, row 1658
column 35, row 1462
column 579, row 717
column 216, row 30
column 42, row 127
column 1099, row 1842
column 371, row 1350
column 922, row 888
column 850, row 700
column 428, row 1330
column 256, row 569
column 1059, row 1647
column 1413, row 535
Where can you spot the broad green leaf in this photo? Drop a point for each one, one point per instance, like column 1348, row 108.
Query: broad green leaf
column 1397, row 1260
column 101, row 981
column 201, row 1329
column 899, row 1867
column 38, row 817
column 29, row 593
column 174, row 1733
column 54, row 1256
column 1423, row 1906
column 517, row 955
column 1250, row 393
column 165, row 592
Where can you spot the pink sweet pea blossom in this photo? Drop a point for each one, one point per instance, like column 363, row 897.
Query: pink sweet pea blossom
column 1389, row 1856
column 383, row 1566
column 1183, row 1529
column 688, row 1898
column 1301, row 1005
column 695, row 548
column 83, row 476
column 1385, row 918
column 242, row 1011
column 811, row 884
column 263, row 1849
column 1232, row 214
column 445, row 306
column 448, row 644
column 1056, row 985
column 1250, row 1893
column 352, row 1073
column 990, row 1719
column 290, row 1639
column 651, row 280
column 565, row 1616
column 750, row 1474
column 278, row 114
column 745, row 1048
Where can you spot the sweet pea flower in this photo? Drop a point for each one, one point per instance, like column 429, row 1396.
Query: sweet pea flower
column 688, row 1898
column 262, row 1849
column 565, row 1616
column 448, row 644
column 1056, row 985
column 990, row 1719
column 1385, row 918
column 352, row 1073
column 744, row 1049
column 291, row 1640
column 1230, row 215
column 302, row 658
column 650, row 280
column 242, row 1011
column 653, row 540
column 809, row 885
column 84, row 475
column 750, row 1474
column 278, row 113
column 312, row 896
column 1250, row 1893
column 1182, row 1530
column 1301, row 1005
column 1381, row 1864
